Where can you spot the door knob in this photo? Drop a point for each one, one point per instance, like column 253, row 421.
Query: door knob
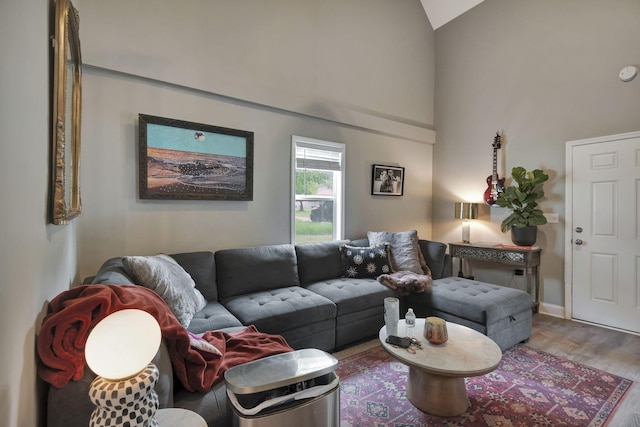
column 578, row 242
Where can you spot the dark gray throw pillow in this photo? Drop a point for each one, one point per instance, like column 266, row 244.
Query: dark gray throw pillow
column 365, row 262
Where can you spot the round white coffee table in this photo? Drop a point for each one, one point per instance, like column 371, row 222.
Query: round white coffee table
column 436, row 372
column 172, row 417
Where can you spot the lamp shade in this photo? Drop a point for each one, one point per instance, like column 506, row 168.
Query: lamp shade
column 466, row 210
column 122, row 344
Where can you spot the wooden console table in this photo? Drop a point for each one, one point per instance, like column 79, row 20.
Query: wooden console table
column 526, row 259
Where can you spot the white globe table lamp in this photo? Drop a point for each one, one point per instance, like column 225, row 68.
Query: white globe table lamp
column 119, row 350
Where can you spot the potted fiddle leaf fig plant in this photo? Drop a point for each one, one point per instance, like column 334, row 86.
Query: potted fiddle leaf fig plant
column 522, row 200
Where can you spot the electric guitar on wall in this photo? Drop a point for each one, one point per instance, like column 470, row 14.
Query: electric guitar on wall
column 495, row 184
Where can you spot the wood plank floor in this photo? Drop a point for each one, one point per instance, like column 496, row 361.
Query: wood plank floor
column 611, row 351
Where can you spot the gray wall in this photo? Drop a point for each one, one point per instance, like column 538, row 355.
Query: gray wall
column 542, row 72
column 359, row 72
column 38, row 260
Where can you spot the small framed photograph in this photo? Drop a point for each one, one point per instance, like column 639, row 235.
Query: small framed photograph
column 387, row 180
column 192, row 161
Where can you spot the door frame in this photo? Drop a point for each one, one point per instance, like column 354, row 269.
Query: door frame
column 568, row 209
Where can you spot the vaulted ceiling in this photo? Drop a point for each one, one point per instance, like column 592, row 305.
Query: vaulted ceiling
column 440, row 12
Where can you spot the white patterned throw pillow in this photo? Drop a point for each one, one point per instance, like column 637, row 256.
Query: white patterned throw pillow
column 404, row 246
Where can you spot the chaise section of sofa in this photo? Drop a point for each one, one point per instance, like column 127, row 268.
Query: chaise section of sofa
column 501, row 313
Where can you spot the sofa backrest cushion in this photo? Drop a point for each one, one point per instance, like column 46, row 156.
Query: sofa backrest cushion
column 319, row 261
column 435, row 255
column 201, row 267
column 112, row 272
column 360, row 242
column 247, row 270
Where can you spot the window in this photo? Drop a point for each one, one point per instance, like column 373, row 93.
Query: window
column 317, row 213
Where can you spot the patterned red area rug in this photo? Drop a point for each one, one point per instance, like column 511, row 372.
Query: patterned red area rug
column 529, row 388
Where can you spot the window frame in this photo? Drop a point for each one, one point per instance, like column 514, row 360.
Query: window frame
column 339, row 189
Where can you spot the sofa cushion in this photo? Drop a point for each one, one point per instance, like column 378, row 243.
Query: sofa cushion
column 112, row 272
column 405, row 250
column 247, row 270
column 167, row 278
column 211, row 405
column 212, row 317
column 500, row 312
column 277, row 310
column 319, row 261
column 353, row 295
column 360, row 242
column 365, row 262
column 480, row 302
column 435, row 256
column 201, row 267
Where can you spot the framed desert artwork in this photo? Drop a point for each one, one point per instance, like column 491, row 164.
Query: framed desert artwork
column 192, row 161
column 387, row 180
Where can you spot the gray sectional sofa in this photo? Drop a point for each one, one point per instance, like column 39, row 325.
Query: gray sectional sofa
column 300, row 292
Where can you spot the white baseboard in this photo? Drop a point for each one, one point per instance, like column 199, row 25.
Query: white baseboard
column 552, row 310
column 558, row 311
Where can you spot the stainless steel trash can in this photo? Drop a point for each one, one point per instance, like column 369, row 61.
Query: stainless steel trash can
column 299, row 388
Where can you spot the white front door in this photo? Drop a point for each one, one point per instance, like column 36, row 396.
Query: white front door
column 604, row 180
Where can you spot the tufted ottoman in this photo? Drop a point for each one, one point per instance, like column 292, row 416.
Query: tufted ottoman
column 501, row 313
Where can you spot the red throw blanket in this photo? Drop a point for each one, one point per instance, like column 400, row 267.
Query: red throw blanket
column 74, row 313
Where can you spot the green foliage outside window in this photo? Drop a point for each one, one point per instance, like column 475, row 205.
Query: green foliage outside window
column 308, row 182
column 309, row 232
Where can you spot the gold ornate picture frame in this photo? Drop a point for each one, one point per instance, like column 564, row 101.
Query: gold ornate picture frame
column 67, row 106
